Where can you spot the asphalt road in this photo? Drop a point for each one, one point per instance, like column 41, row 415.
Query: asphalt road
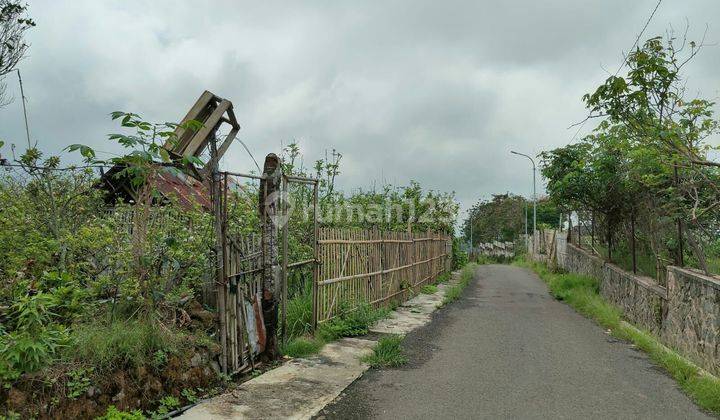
column 507, row 349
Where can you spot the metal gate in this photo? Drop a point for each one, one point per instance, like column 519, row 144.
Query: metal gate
column 253, row 244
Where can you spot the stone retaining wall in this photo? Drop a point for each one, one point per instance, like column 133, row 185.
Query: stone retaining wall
column 640, row 298
column 685, row 315
column 692, row 323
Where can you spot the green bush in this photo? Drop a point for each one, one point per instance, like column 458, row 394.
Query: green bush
column 459, row 257
column 34, row 339
column 387, row 353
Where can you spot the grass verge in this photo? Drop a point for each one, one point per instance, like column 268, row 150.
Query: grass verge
column 582, row 293
column 453, row 293
column 302, row 346
column 387, row 352
column 429, row 289
column 351, row 322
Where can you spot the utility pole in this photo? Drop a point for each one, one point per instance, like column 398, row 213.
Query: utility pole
column 534, row 195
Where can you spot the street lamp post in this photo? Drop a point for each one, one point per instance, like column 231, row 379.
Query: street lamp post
column 534, row 196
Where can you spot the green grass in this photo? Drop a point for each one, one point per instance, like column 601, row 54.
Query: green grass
column 453, row 293
column 351, row 322
column 442, row 278
column 387, row 353
column 302, row 346
column 299, row 314
column 107, row 346
column 581, row 292
column 429, row 289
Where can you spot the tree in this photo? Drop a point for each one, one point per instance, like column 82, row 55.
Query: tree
column 13, row 25
column 649, row 154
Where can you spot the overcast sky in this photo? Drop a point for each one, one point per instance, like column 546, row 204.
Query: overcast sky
column 435, row 91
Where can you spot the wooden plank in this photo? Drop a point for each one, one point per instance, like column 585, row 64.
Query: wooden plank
column 200, row 138
column 182, row 137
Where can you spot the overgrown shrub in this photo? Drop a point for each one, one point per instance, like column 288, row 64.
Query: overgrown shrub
column 459, row 257
column 33, row 340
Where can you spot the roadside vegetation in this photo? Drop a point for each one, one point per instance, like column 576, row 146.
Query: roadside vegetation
column 504, row 217
column 429, row 289
column 101, row 301
column 645, row 178
column 582, row 293
column 453, row 292
column 388, row 352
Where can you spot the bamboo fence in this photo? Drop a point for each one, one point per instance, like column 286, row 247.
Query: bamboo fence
column 369, row 266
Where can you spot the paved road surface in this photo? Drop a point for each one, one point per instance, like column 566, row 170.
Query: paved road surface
column 507, row 349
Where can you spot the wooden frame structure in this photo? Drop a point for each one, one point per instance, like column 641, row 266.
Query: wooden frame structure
column 212, row 111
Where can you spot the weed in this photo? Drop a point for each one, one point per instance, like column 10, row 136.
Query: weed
column 453, row 293
column 442, row 278
column 351, row 323
column 299, row 313
column 78, row 382
column 159, row 359
column 387, row 353
column 429, row 289
column 190, row 395
column 114, row 414
column 302, row 347
column 167, row 404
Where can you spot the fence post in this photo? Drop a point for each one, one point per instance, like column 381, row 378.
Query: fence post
column 592, row 231
column 632, row 233
column 679, row 259
column 316, row 266
column 269, row 186
column 219, row 251
column 285, row 220
column 609, row 239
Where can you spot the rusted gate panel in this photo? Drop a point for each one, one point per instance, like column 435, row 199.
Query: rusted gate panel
column 239, row 290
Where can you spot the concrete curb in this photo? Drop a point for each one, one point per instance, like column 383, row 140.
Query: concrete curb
column 302, row 387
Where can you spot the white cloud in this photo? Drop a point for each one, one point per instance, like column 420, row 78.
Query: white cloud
column 433, row 91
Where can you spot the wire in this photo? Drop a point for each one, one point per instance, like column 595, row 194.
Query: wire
column 624, row 62
column 251, row 155
column 4, row 164
column 639, row 35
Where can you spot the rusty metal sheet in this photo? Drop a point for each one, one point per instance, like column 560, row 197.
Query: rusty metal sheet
column 254, row 324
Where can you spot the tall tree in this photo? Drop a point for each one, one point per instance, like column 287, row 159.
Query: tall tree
column 14, row 22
